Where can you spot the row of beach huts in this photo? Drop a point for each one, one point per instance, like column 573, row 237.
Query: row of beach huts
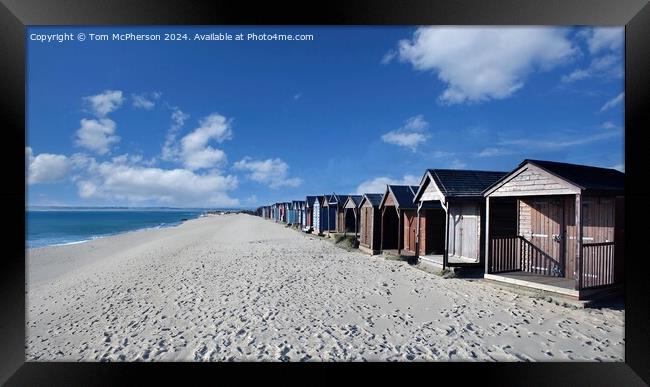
column 546, row 225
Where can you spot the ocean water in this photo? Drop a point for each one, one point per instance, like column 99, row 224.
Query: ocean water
column 61, row 226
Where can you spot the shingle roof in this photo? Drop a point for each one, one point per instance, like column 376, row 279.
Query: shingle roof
column 374, row 199
column 340, row 199
column 404, row 195
column 464, row 183
column 584, row 176
column 356, row 199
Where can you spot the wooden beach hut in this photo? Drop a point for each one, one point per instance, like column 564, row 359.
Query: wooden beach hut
column 448, row 229
column 318, row 212
column 300, row 222
column 350, row 220
column 568, row 223
column 275, row 212
column 370, row 223
column 397, row 208
column 309, row 213
column 294, row 213
column 284, row 212
column 331, row 205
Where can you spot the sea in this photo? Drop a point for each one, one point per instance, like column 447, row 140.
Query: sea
column 49, row 226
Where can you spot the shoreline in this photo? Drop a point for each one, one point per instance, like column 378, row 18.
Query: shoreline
column 99, row 236
column 238, row 287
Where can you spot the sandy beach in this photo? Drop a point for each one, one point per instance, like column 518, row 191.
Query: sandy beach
column 238, row 287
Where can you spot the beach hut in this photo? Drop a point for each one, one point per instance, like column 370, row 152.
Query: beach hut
column 370, row 223
column 309, row 211
column 318, row 211
column 301, row 214
column 293, row 212
column 274, row 212
column 284, row 212
column 397, row 210
column 451, row 216
column 331, row 204
column 350, row 221
column 287, row 212
column 568, row 223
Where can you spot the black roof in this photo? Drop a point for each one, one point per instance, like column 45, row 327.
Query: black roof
column 374, row 199
column 584, row 176
column 340, row 199
column 404, row 195
column 310, row 200
column 464, row 183
column 356, row 199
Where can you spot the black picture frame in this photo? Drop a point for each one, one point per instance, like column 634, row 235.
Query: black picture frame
column 15, row 15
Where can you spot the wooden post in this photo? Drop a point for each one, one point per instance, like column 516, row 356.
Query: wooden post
column 446, row 252
column 381, row 231
column 356, row 222
column 399, row 231
column 578, row 259
column 417, row 234
column 487, row 234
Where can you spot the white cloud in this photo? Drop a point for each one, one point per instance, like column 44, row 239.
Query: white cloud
column 416, row 123
column 96, row 135
column 408, row 140
column 493, row 151
column 457, row 164
column 46, row 167
column 440, row 154
column 604, row 38
column 207, row 157
column 297, row 96
column 121, row 179
column 609, row 125
column 378, row 184
column 388, row 57
column 482, row 63
column 145, row 101
column 196, row 152
column 272, row 172
column 410, row 135
column 613, row 102
column 105, row 102
column 549, row 145
column 607, row 66
column 170, row 150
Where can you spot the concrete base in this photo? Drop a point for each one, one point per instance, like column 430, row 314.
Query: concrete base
column 534, row 283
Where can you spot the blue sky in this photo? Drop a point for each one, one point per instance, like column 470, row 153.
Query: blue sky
column 245, row 123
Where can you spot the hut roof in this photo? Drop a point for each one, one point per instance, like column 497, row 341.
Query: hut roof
column 356, row 199
column 374, row 199
column 583, row 176
column 336, row 198
column 310, row 201
column 464, row 183
column 352, row 201
column 403, row 195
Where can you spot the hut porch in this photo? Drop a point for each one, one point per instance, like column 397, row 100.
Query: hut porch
column 556, row 248
column 560, row 285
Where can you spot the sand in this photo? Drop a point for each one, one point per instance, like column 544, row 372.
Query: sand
column 238, row 287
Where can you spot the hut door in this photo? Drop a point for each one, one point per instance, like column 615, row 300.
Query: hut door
column 410, row 230
column 363, row 225
column 547, row 234
column 464, row 230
